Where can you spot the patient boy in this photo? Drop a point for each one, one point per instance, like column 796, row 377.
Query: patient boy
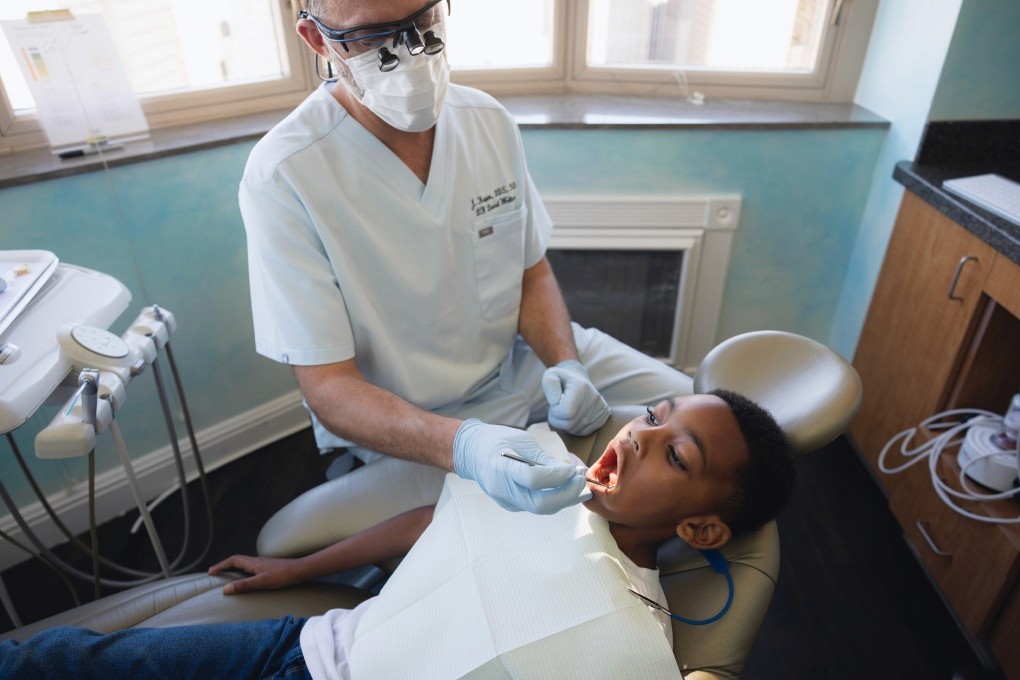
column 701, row 467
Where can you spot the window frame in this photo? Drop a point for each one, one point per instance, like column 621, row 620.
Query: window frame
column 842, row 58
column 22, row 131
column 840, row 61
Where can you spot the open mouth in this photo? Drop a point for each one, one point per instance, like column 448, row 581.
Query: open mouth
column 605, row 471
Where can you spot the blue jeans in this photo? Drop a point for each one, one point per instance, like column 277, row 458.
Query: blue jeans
column 250, row 649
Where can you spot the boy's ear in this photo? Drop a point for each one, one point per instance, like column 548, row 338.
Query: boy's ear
column 704, row 532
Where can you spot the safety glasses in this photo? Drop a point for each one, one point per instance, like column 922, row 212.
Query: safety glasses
column 414, row 32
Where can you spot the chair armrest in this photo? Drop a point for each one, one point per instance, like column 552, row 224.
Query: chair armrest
column 346, row 505
column 195, row 599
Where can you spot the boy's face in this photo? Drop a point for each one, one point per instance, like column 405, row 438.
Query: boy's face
column 676, row 462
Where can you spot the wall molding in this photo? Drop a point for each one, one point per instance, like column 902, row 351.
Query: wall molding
column 219, row 444
column 701, row 226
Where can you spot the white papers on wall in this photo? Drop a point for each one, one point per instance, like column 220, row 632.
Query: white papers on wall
column 81, row 90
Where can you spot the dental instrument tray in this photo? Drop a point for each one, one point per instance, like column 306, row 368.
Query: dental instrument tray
column 43, row 299
column 23, row 273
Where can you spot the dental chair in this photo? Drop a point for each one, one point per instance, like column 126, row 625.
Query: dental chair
column 812, row 392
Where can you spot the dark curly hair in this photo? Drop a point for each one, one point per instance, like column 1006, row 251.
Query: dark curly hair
column 764, row 483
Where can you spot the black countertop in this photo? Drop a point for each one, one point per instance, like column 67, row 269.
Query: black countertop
column 954, row 149
column 926, row 182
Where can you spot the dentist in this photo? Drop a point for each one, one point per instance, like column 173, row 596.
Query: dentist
column 396, row 254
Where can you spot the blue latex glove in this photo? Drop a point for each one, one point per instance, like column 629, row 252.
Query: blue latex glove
column 574, row 404
column 544, row 488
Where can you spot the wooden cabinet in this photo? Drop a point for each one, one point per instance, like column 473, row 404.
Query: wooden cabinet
column 942, row 332
column 953, row 548
column 914, row 331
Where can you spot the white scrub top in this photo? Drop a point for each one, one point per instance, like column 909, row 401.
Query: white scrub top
column 351, row 256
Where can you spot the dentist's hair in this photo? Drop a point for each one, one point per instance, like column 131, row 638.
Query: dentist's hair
column 764, row 482
column 313, row 6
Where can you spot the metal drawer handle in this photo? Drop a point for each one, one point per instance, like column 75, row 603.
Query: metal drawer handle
column 931, row 544
column 956, row 277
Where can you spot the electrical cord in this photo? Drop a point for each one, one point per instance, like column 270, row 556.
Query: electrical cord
column 721, row 565
column 77, row 573
column 24, row 548
column 930, row 451
column 193, row 440
column 55, row 518
column 136, row 493
column 93, row 533
column 53, row 559
column 179, row 458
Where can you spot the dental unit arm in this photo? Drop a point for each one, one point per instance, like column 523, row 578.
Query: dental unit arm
column 52, row 342
column 116, row 360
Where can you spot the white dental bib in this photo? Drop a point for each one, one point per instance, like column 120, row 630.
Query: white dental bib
column 487, row 593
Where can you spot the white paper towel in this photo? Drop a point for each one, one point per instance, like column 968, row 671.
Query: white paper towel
column 487, row 593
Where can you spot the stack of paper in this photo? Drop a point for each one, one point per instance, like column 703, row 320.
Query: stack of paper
column 994, row 193
column 24, row 273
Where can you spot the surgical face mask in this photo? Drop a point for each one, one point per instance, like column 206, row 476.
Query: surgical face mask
column 409, row 97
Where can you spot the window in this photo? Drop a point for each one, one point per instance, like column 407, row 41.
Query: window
column 712, row 35
column 766, row 49
column 505, row 35
column 187, row 60
column 195, row 60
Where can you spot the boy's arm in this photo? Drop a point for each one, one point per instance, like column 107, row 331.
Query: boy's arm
column 391, row 538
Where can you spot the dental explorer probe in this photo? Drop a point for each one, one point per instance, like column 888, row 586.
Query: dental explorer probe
column 511, row 456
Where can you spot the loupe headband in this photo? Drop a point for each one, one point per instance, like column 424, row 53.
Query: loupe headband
column 371, row 31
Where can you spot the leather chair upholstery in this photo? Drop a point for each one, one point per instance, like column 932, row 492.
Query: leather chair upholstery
column 811, row 390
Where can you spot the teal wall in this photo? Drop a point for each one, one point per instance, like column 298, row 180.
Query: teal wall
column 905, row 56
column 981, row 77
column 802, row 191
column 169, row 229
column 928, row 60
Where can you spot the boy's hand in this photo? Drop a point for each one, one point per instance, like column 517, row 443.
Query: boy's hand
column 268, row 573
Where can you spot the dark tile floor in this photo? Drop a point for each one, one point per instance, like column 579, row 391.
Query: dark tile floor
column 852, row 601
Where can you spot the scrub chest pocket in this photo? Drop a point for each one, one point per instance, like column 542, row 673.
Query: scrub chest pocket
column 498, row 245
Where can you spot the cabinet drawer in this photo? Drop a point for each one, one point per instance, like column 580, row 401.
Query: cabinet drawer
column 1004, row 636
column 974, row 563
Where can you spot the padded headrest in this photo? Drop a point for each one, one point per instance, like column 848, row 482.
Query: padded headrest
column 811, row 391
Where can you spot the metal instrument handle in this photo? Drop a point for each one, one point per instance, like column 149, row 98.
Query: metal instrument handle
column 956, row 277
column 931, row 544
